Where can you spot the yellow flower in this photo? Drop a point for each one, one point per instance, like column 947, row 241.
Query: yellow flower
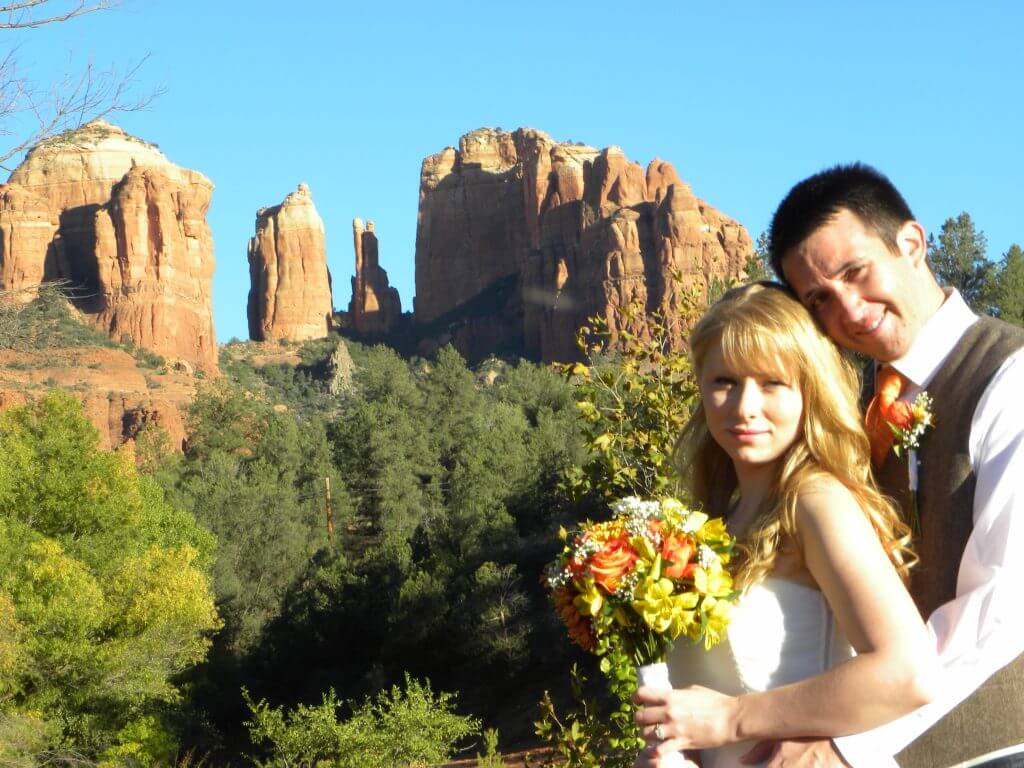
column 672, row 506
column 716, row 614
column 714, row 581
column 603, row 532
column 714, row 530
column 589, row 601
column 643, row 548
column 685, row 621
column 662, row 611
column 673, row 511
column 921, row 409
column 693, row 522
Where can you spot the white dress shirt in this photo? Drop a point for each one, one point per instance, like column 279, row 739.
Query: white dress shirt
column 981, row 629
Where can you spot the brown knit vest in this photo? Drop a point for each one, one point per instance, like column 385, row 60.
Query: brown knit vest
column 992, row 718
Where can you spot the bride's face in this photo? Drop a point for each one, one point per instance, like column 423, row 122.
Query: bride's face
column 755, row 416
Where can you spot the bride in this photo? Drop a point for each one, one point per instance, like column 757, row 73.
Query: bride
column 777, row 447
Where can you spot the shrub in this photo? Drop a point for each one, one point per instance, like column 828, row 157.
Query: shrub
column 396, row 728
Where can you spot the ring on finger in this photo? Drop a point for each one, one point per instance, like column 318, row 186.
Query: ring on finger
column 659, row 732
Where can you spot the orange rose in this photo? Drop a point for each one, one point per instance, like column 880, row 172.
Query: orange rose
column 612, row 562
column 899, row 414
column 892, row 409
column 677, row 550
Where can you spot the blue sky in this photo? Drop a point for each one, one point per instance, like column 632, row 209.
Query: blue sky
column 744, row 98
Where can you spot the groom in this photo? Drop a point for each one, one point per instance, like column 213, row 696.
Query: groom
column 847, row 244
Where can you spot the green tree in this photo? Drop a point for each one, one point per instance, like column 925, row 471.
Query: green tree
column 1009, row 293
column 759, row 264
column 104, row 591
column 255, row 477
column 958, row 260
column 634, row 402
column 384, row 447
column 495, row 615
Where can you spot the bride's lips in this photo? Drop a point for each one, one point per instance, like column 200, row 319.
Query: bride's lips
column 745, row 435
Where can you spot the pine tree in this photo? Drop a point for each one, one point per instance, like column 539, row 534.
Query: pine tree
column 759, row 264
column 958, row 260
column 1009, row 294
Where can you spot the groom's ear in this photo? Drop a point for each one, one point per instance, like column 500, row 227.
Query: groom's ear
column 912, row 242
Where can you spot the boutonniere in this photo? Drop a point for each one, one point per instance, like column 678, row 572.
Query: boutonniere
column 909, row 422
column 899, row 425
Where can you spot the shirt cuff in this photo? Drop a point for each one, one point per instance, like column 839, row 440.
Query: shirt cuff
column 860, row 753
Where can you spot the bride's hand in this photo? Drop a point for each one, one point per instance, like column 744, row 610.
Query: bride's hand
column 690, row 718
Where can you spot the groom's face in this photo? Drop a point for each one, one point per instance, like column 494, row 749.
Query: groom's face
column 865, row 296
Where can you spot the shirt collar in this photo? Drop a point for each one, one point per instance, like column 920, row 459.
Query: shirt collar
column 936, row 340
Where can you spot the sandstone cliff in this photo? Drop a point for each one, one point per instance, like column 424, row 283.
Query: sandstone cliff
column 290, row 286
column 131, row 239
column 375, row 308
column 548, row 234
column 27, row 227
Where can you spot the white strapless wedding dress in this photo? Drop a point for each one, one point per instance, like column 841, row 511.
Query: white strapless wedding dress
column 780, row 632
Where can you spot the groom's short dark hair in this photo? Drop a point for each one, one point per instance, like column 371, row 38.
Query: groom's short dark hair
column 857, row 187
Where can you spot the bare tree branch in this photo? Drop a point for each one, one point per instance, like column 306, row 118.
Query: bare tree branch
column 67, row 105
column 20, row 14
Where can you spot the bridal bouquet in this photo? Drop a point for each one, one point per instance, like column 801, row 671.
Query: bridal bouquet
column 653, row 573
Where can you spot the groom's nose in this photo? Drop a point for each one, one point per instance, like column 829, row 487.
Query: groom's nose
column 850, row 304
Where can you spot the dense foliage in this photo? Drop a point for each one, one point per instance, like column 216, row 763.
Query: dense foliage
column 104, row 595
column 407, row 725
column 444, row 501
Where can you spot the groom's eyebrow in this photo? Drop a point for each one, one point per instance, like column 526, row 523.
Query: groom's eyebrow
column 810, row 292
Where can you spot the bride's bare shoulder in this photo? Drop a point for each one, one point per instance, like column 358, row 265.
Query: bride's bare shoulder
column 825, row 494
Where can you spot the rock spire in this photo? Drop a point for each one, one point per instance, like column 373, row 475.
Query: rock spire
column 290, row 285
column 375, row 308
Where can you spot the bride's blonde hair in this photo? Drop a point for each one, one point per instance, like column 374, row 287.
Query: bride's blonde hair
column 761, row 327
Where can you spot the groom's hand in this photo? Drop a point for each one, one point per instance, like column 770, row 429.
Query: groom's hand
column 798, row 753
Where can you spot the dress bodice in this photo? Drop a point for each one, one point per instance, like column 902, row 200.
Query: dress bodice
column 780, row 632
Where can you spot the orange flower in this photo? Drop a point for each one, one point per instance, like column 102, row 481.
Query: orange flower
column 677, row 550
column 612, row 562
column 899, row 414
column 581, row 629
column 890, row 407
column 576, row 567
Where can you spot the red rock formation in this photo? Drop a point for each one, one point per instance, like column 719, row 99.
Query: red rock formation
column 117, row 396
column 132, row 239
column 26, row 231
column 290, row 286
column 375, row 307
column 155, row 267
column 582, row 232
column 471, row 227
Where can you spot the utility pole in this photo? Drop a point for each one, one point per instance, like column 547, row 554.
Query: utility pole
column 328, row 510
